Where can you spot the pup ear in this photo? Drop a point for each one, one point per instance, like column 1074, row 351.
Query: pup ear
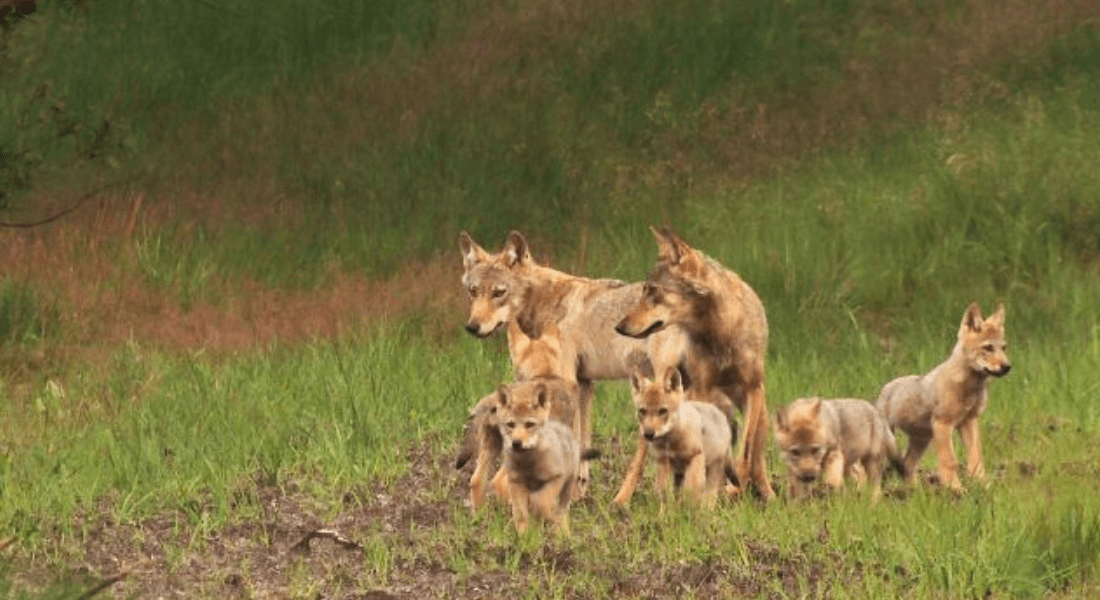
column 781, row 419
column 815, row 408
column 673, row 382
column 637, row 380
column 542, row 400
column 997, row 319
column 471, row 252
column 516, row 250
column 972, row 319
column 502, row 397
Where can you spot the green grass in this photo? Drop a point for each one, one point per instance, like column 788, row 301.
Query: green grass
column 355, row 137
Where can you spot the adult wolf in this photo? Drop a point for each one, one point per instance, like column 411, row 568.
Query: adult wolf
column 727, row 333
column 951, row 396
column 510, row 287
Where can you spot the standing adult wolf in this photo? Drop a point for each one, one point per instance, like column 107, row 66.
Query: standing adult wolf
column 727, row 331
column 510, row 287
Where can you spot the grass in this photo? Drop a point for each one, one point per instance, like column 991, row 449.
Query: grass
column 867, row 211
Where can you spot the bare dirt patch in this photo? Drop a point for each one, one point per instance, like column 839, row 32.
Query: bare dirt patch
column 397, row 540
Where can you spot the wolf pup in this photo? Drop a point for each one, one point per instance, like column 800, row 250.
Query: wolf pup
column 951, row 396
column 691, row 440
column 510, row 288
column 834, row 438
column 728, row 335
column 541, row 455
column 537, row 360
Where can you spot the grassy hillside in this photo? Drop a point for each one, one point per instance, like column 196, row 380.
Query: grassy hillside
column 253, row 330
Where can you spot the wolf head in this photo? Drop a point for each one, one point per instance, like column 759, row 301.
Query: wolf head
column 492, row 280
column 983, row 341
column 658, row 402
column 674, row 292
column 802, row 437
column 523, row 408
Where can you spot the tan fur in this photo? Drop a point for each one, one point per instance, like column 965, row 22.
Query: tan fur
column 691, row 440
column 541, row 454
column 509, row 289
column 536, row 361
column 951, row 396
column 834, row 438
column 728, row 336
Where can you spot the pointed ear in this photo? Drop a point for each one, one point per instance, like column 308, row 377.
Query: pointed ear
column 673, row 382
column 542, row 399
column 781, row 419
column 637, row 381
column 815, row 408
column 666, row 249
column 515, row 249
column 471, row 252
column 502, row 397
column 997, row 319
column 972, row 319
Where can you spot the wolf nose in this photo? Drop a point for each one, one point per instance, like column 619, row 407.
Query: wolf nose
column 517, row 445
column 648, row 435
column 806, row 477
column 1005, row 368
column 619, row 329
column 473, row 329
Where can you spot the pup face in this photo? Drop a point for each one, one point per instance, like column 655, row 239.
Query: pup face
column 802, row 438
column 492, row 282
column 658, row 402
column 983, row 341
column 523, row 408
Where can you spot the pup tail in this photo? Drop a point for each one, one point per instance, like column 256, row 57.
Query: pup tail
column 475, row 422
column 591, row 454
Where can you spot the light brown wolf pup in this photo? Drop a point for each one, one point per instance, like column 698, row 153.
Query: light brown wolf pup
column 728, row 336
column 541, row 455
column 834, row 438
column 535, row 360
column 509, row 288
column 951, row 396
column 691, row 440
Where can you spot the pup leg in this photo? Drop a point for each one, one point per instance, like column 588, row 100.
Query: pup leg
column 633, row 474
column 663, row 482
column 945, row 453
column 695, row 480
column 521, row 499
column 917, row 445
column 834, row 469
column 501, row 487
column 968, row 431
column 874, row 467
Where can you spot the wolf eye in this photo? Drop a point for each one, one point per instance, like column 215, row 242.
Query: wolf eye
column 472, row 290
column 498, row 292
column 662, row 412
column 988, row 347
column 796, row 453
column 510, row 424
column 641, row 412
column 529, row 425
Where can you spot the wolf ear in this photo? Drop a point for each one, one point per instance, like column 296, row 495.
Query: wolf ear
column 972, row 319
column 673, row 382
column 815, row 409
column 502, row 397
column 667, row 248
column 515, row 249
column 781, row 419
column 998, row 316
column 471, row 252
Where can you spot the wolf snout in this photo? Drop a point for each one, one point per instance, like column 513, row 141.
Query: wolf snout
column 1003, row 370
column 649, row 435
column 517, row 445
column 807, row 477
